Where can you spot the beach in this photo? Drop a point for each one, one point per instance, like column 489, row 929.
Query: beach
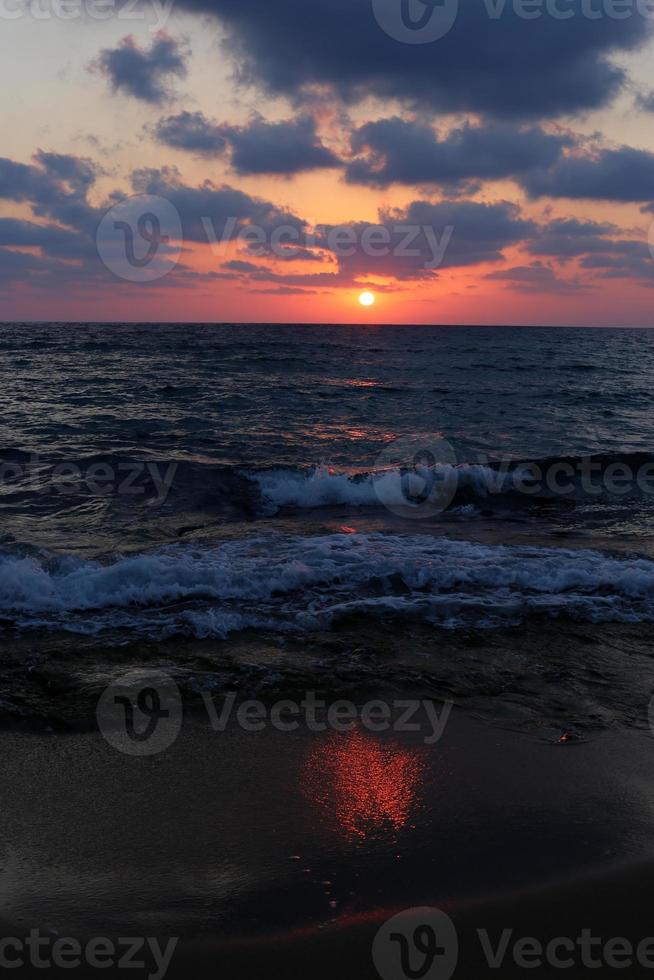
column 499, row 830
column 326, row 489
column 271, row 678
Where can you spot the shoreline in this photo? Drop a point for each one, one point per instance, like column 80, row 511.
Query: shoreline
column 545, row 676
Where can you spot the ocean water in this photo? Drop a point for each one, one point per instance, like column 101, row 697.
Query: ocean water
column 257, row 505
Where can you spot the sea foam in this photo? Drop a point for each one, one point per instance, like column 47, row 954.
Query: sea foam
column 324, row 486
column 299, row 583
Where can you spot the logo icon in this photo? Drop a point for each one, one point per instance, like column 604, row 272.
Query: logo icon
column 416, row 476
column 417, row 944
column 140, row 713
column 140, row 238
column 416, row 21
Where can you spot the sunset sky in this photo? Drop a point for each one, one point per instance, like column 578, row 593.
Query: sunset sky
column 529, row 137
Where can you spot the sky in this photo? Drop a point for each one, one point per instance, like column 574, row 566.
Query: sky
column 464, row 161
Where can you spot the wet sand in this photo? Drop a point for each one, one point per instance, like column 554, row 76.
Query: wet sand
column 544, row 676
column 280, row 854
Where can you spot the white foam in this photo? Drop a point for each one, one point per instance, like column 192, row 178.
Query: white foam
column 292, row 582
column 323, row 486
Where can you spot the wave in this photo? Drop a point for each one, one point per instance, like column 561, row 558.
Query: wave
column 306, row 583
column 324, row 486
column 449, row 485
column 109, row 497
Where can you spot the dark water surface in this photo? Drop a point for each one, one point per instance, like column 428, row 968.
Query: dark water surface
column 235, row 502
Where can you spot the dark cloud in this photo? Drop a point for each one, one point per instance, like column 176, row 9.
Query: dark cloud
column 238, row 265
column 55, row 186
column 412, row 244
column 50, row 238
column 622, row 259
column 645, row 101
column 219, row 211
column 568, row 238
column 536, row 278
column 287, row 147
column 480, row 231
column 576, row 228
column 54, row 183
column 193, row 132
column 493, row 61
column 22, row 266
column 596, row 247
column 399, row 151
column 286, row 291
column 144, row 74
column 623, row 174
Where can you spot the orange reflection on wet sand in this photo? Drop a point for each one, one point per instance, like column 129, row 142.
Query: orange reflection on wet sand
column 365, row 786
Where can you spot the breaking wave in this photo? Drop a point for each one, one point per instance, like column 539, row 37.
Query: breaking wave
column 305, row 583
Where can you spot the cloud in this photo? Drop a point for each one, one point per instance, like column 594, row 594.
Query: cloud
column 211, row 210
column 51, row 178
column 480, row 231
column 22, row 267
column 238, row 265
column 286, row 291
column 399, row 151
column 620, row 259
column 645, row 101
column 492, row 60
column 596, row 247
column 140, row 73
column 411, row 244
column 55, row 186
column 546, row 164
column 52, row 239
column 405, row 245
column 536, row 278
column 568, row 238
column 193, row 132
column 623, row 174
column 286, row 148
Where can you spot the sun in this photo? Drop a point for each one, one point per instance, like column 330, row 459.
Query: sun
column 367, row 299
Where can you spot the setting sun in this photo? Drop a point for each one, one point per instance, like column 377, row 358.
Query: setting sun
column 367, row 299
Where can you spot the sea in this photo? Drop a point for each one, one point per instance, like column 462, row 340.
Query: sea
column 465, row 512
